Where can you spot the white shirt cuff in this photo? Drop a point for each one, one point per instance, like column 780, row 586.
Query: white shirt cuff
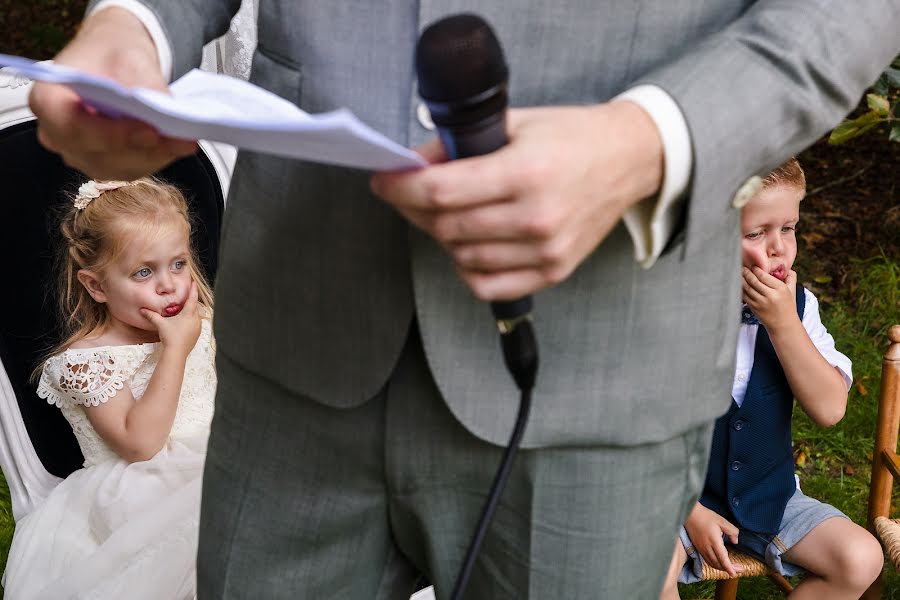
column 652, row 221
column 149, row 20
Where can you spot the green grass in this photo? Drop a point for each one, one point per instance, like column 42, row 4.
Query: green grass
column 838, row 459
column 837, row 465
column 7, row 524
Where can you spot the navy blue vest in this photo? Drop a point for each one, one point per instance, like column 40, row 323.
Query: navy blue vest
column 750, row 477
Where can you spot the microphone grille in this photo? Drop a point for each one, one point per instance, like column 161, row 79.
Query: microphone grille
column 459, row 57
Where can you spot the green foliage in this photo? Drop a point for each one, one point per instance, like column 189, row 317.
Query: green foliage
column 839, row 467
column 880, row 111
column 44, row 35
column 7, row 523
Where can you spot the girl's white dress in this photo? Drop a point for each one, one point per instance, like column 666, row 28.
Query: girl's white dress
column 116, row 529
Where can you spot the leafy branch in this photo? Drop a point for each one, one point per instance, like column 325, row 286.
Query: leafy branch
column 881, row 109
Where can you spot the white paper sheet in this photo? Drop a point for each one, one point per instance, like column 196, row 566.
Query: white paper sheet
column 220, row 108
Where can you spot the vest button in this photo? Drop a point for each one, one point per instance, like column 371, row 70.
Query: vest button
column 738, row 425
column 735, row 501
column 736, row 465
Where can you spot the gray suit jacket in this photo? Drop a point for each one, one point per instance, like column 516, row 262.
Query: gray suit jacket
column 319, row 280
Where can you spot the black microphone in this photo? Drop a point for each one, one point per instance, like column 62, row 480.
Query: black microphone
column 463, row 79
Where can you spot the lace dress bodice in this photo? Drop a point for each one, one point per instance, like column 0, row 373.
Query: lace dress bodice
column 81, row 377
column 232, row 53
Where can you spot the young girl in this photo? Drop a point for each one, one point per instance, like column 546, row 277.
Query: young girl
column 135, row 379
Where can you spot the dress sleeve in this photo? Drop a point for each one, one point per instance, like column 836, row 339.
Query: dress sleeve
column 86, row 378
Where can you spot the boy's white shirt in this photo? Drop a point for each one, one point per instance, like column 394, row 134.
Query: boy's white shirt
column 650, row 223
column 812, row 322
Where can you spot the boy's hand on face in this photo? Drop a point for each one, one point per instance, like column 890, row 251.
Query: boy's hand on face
column 772, row 301
column 706, row 528
column 178, row 333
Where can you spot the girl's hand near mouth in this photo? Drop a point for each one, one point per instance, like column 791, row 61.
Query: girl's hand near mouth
column 178, row 332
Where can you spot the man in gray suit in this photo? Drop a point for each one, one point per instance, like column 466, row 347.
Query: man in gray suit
column 362, row 399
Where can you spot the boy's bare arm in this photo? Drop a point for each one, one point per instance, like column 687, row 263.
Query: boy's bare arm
column 818, row 387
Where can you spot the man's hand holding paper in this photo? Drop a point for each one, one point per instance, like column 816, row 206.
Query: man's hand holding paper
column 114, row 44
column 120, row 120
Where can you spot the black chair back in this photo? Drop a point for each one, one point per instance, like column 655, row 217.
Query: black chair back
column 34, row 183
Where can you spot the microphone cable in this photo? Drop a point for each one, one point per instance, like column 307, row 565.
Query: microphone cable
column 520, row 354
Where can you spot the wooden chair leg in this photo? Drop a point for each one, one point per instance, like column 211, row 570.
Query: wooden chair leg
column 886, row 432
column 726, row 589
column 781, row 583
column 887, row 422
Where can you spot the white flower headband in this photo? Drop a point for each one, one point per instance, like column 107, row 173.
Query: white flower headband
column 92, row 189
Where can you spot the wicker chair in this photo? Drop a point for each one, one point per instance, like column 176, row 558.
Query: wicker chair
column 885, row 462
column 727, row 586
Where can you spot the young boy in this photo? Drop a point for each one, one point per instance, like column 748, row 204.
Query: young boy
column 751, row 498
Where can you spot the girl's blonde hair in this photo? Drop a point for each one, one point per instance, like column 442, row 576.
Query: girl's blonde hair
column 95, row 236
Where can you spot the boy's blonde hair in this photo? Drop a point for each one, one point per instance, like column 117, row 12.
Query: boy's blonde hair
column 790, row 173
column 96, row 235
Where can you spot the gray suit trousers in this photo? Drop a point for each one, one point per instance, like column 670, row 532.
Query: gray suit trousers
column 303, row 500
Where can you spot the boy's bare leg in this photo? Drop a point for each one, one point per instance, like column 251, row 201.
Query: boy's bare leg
column 842, row 559
column 670, row 587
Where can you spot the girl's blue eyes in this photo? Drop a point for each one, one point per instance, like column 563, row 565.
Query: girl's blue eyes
column 145, row 272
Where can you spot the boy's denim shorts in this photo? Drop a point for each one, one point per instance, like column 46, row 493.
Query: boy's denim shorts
column 801, row 515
